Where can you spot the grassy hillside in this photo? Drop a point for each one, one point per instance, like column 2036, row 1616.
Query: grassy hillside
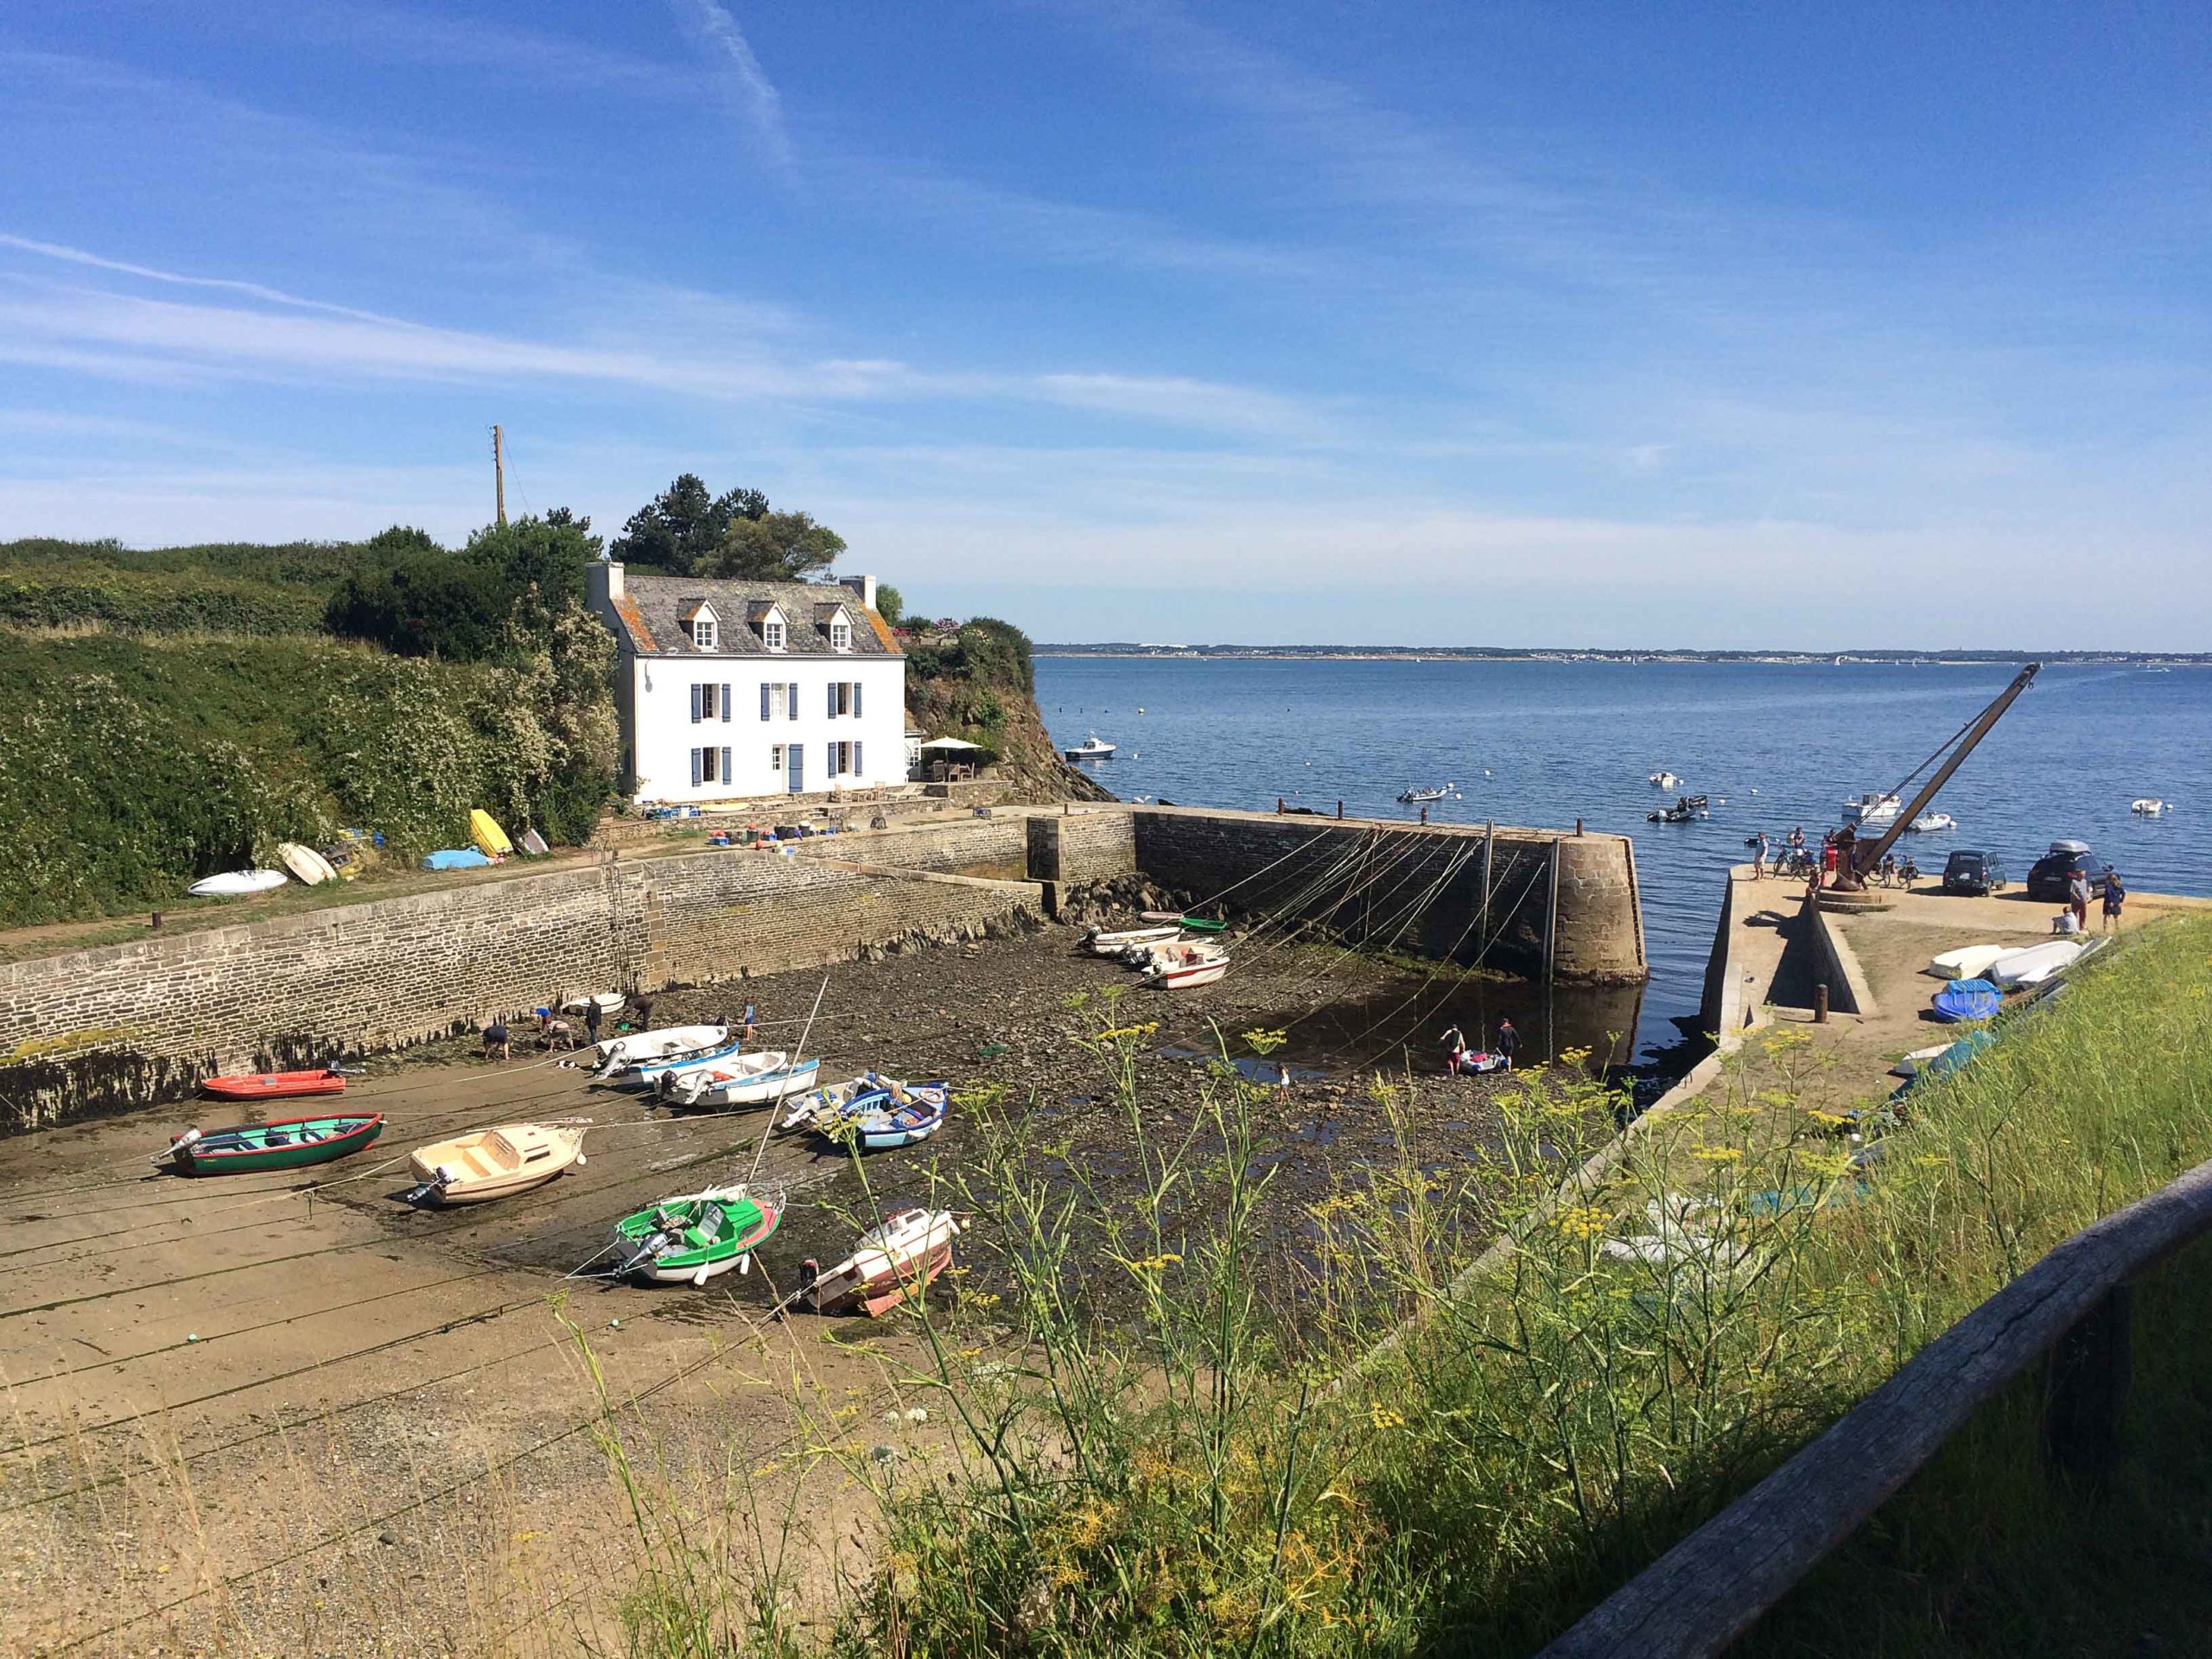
column 169, row 712
column 977, row 681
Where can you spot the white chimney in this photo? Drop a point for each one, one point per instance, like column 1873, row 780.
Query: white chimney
column 602, row 584
column 863, row 585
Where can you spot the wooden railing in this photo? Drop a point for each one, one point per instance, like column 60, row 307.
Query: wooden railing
column 2072, row 1305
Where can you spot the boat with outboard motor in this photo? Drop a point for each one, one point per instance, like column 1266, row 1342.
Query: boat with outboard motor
column 893, row 1261
column 694, row 1237
column 497, row 1163
column 616, row 1054
column 1093, row 747
column 1685, row 807
column 1932, row 823
column 1433, row 793
column 281, row 1143
column 1872, row 808
column 1182, row 967
column 744, row 1080
column 1664, row 780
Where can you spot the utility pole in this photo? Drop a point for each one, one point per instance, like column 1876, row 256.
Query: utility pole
column 499, row 475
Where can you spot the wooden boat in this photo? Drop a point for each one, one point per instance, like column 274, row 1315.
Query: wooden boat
column 748, row 1080
column 617, row 1056
column 2034, row 964
column 236, row 884
column 1966, row 999
column 1968, row 961
column 276, row 1085
column 488, row 1164
column 1181, row 967
column 694, row 1238
column 1099, row 943
column 283, row 1143
column 891, row 1262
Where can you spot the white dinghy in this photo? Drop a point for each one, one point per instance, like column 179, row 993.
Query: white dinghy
column 1968, row 961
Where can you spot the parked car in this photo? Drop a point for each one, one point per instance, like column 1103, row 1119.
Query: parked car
column 2049, row 875
column 1971, row 872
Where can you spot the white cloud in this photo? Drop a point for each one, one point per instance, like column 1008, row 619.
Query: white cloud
column 754, row 95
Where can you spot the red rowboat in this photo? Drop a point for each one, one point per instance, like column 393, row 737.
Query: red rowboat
column 276, row 1085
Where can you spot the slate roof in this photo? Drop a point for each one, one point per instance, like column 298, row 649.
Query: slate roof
column 652, row 609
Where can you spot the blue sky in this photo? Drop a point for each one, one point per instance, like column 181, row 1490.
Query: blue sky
column 1544, row 323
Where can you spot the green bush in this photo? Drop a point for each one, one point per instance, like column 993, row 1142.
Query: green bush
column 469, row 606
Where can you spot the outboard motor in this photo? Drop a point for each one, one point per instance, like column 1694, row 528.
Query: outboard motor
column 177, row 1144
column 433, row 1189
column 652, row 1248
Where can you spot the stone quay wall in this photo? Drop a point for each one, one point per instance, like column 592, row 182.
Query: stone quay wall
column 129, row 1024
column 125, row 1024
column 1506, row 899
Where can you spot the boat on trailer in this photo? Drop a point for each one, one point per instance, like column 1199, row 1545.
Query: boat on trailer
column 692, row 1238
column 893, row 1261
column 281, row 1143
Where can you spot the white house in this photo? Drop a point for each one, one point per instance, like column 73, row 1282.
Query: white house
column 730, row 688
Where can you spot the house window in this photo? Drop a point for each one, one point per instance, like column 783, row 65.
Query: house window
column 776, row 757
column 844, row 760
column 841, row 635
column 772, row 700
column 712, row 702
column 710, row 766
column 844, row 698
column 703, row 632
column 772, row 634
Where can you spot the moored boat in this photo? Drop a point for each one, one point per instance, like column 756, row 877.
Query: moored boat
column 893, row 1261
column 617, row 1057
column 1093, row 747
column 1932, row 823
column 744, row 1080
column 896, row 1122
column 2148, row 806
column 1422, row 797
column 1100, row 942
column 692, row 1238
column 1184, row 967
column 1664, row 780
column 489, row 1164
column 274, row 1085
column 1872, row 809
column 281, row 1143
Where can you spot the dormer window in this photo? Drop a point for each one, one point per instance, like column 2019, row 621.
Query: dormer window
column 701, row 626
column 768, row 617
column 841, row 635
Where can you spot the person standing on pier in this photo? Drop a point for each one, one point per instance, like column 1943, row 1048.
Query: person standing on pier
column 1509, row 1042
column 1758, row 857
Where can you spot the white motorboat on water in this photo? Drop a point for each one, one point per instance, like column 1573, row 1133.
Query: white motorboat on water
column 2150, row 806
column 1664, row 780
column 1929, row 822
column 1872, row 809
column 1435, row 792
column 1093, row 747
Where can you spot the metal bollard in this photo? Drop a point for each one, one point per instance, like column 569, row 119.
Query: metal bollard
column 1820, row 1003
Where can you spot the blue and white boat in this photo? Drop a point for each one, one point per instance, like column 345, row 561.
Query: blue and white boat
column 901, row 1124
column 875, row 1112
column 748, row 1080
column 1966, row 999
column 648, row 1073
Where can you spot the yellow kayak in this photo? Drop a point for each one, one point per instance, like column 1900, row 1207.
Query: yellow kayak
column 491, row 840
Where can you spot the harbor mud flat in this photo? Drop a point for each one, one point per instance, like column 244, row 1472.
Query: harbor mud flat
column 245, row 1415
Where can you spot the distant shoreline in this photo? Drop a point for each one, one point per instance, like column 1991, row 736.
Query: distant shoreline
column 1633, row 658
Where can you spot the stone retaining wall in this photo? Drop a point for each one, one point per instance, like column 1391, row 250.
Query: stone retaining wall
column 123, row 1025
column 1447, row 892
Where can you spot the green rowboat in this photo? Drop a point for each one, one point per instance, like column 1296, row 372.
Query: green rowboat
column 281, row 1143
column 696, row 1236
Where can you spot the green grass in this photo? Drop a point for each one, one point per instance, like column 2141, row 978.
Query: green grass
column 1153, row 1447
column 231, row 588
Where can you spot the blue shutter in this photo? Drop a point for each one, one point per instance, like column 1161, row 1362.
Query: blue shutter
column 792, row 700
column 725, row 765
column 695, row 768
column 856, row 708
column 695, row 712
column 764, row 699
column 857, row 767
column 730, row 707
column 832, row 689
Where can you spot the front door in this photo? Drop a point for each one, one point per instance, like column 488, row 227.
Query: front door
column 798, row 768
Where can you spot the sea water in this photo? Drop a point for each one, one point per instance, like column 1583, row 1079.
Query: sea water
column 1774, row 746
